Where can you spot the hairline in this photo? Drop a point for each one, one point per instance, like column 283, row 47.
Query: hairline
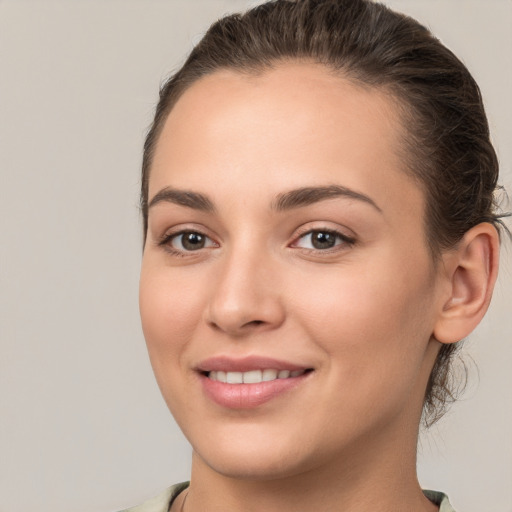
column 403, row 109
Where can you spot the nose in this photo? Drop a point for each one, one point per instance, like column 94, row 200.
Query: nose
column 246, row 297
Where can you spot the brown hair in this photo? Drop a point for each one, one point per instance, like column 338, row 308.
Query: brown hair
column 446, row 135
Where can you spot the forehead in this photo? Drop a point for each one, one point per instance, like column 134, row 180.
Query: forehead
column 297, row 121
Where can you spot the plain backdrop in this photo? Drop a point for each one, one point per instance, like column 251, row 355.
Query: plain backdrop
column 82, row 425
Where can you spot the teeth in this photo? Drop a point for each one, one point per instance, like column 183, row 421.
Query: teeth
column 253, row 376
column 234, row 377
column 269, row 375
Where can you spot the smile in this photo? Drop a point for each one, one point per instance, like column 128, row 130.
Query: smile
column 249, row 382
column 253, row 376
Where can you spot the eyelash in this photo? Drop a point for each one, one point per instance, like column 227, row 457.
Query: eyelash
column 166, row 241
column 345, row 241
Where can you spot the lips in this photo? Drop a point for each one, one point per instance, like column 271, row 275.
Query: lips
column 245, row 364
column 248, row 382
column 253, row 376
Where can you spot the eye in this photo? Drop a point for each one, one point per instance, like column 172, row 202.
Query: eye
column 322, row 239
column 187, row 241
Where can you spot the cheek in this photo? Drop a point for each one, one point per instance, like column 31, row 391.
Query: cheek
column 373, row 322
column 170, row 309
column 360, row 304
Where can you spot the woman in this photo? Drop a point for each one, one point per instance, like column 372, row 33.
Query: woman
column 320, row 232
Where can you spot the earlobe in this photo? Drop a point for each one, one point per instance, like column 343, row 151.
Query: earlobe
column 471, row 270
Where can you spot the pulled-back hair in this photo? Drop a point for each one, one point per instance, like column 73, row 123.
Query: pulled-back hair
column 445, row 136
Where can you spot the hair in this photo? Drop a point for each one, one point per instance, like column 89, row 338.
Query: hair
column 446, row 143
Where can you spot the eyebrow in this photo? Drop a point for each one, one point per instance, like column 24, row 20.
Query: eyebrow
column 308, row 195
column 296, row 198
column 186, row 198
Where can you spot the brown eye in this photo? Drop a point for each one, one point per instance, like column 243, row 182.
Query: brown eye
column 190, row 241
column 323, row 239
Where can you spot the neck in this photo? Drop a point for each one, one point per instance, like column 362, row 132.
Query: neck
column 377, row 472
column 377, row 478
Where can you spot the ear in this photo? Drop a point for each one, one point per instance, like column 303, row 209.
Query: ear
column 470, row 272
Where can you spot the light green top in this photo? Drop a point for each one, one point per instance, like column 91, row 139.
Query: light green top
column 163, row 502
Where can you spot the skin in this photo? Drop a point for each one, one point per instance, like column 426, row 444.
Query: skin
column 363, row 315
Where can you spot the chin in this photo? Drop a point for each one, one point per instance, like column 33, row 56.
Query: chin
column 258, row 453
column 255, row 466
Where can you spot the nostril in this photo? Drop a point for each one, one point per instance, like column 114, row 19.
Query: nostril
column 255, row 322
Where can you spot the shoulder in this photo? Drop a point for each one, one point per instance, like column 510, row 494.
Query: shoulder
column 160, row 503
column 440, row 499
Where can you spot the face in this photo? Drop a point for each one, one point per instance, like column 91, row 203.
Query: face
column 287, row 294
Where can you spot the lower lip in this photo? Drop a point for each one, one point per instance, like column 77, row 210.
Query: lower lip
column 248, row 396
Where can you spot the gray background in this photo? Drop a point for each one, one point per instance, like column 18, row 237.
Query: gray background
column 82, row 425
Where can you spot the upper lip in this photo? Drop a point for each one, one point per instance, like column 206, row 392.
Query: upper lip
column 246, row 364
